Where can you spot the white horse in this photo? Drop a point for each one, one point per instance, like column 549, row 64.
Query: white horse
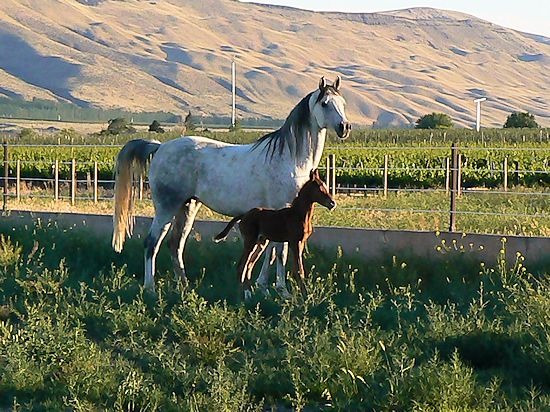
column 229, row 179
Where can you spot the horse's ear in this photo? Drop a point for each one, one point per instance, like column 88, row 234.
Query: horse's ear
column 336, row 84
column 322, row 84
column 314, row 174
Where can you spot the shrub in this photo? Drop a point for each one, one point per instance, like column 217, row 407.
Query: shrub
column 156, row 127
column 434, row 121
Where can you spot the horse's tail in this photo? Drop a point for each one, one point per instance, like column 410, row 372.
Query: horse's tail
column 223, row 234
column 131, row 162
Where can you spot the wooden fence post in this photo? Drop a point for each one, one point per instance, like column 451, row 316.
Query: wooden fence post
column 18, row 180
column 505, row 172
column 56, row 180
column 73, row 182
column 95, row 182
column 328, row 173
column 385, row 176
column 333, row 176
column 447, row 175
column 454, row 187
column 6, row 177
column 459, row 175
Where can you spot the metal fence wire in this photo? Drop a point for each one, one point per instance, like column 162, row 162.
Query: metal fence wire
column 74, row 184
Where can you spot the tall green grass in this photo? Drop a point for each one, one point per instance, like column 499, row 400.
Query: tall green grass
column 77, row 332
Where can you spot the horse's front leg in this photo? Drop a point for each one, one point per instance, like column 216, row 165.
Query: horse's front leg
column 275, row 252
column 263, row 278
column 281, row 250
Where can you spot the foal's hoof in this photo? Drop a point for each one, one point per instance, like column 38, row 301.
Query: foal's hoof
column 247, row 295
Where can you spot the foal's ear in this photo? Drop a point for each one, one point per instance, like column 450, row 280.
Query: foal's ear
column 336, row 83
column 314, row 174
column 322, row 84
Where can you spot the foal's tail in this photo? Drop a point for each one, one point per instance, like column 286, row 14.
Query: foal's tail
column 223, row 234
column 131, row 163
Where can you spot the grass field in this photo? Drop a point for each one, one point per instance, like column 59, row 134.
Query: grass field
column 78, row 333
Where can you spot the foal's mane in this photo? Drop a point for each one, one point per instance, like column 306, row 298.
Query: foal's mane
column 290, row 133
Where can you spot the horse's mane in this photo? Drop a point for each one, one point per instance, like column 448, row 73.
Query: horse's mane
column 290, row 133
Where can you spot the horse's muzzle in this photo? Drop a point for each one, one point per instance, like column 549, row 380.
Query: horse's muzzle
column 343, row 130
column 331, row 205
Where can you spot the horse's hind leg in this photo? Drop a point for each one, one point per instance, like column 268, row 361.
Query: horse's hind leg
column 181, row 229
column 159, row 228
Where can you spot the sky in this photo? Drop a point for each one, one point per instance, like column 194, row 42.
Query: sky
column 531, row 16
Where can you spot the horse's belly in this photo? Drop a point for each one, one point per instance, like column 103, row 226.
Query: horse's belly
column 237, row 188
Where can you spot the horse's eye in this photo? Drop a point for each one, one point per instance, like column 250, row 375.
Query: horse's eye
column 324, row 104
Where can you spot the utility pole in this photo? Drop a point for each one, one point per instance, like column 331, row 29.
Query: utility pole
column 233, row 80
column 478, row 112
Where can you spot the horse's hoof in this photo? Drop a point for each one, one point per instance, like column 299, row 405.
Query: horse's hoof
column 262, row 288
column 247, row 295
column 283, row 292
column 150, row 289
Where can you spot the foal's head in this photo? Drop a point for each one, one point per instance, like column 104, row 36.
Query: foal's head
column 315, row 191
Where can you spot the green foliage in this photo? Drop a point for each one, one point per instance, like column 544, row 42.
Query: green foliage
column 361, row 163
column 519, row 120
column 434, row 121
column 52, row 110
column 78, row 332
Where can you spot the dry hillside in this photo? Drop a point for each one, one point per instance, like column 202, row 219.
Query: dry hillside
column 176, row 54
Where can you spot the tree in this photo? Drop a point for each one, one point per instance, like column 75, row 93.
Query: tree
column 188, row 122
column 155, row 127
column 434, row 121
column 119, row 125
column 521, row 120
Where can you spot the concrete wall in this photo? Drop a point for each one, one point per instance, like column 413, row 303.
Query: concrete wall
column 366, row 243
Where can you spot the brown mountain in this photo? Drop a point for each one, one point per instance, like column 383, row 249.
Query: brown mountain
column 176, row 54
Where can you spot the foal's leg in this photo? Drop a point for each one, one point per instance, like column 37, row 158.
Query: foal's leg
column 159, row 228
column 180, row 232
column 242, row 268
column 257, row 252
column 298, row 265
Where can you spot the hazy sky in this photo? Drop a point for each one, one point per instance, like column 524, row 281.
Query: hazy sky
column 532, row 16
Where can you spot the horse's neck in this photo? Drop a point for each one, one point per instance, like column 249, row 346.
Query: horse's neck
column 311, row 157
column 303, row 208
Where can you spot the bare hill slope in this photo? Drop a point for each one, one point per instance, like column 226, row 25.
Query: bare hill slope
column 175, row 55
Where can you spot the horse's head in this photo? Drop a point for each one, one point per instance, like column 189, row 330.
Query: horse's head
column 327, row 107
column 315, row 191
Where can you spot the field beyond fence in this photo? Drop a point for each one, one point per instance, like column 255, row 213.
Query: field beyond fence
column 496, row 184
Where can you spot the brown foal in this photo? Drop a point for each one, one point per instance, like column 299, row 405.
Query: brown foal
column 291, row 224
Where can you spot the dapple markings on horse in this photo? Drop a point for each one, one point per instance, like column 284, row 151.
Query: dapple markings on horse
column 291, row 224
column 187, row 172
